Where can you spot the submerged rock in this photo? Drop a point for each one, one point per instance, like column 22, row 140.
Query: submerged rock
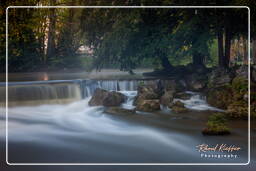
column 105, row 98
column 178, row 107
column 148, row 105
column 119, row 111
column 209, row 131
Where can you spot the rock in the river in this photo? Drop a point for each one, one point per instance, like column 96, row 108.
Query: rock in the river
column 182, row 95
column 240, row 84
column 119, row 111
column 169, row 85
column 178, row 107
column 145, row 92
column 253, row 109
column 114, row 99
column 220, row 77
column 148, row 92
column 216, row 125
column 196, row 82
column 220, row 97
column 98, row 97
column 104, row 98
column 238, row 110
column 148, row 105
column 167, row 98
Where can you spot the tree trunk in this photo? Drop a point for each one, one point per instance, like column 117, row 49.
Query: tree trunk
column 51, row 34
column 227, row 46
column 245, row 50
column 220, row 47
column 198, row 59
column 165, row 61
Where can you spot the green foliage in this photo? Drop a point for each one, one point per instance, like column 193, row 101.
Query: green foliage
column 218, row 118
column 217, row 123
column 130, row 36
column 240, row 84
column 119, row 38
column 141, row 83
column 213, row 54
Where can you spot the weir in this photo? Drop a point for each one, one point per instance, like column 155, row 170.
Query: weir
column 61, row 91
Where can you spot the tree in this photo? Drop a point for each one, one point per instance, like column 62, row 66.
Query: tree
column 127, row 36
column 51, row 47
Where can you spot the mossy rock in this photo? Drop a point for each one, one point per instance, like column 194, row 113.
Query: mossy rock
column 253, row 110
column 240, row 84
column 216, row 125
column 220, row 97
column 148, row 105
column 182, row 95
column 238, row 110
column 253, row 91
column 178, row 107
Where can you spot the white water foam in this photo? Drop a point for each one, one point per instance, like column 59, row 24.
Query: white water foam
column 197, row 102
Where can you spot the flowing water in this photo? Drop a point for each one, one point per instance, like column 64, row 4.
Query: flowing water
column 50, row 121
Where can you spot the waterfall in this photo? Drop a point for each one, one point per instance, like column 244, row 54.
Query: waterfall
column 41, row 92
column 62, row 91
column 116, row 85
column 59, row 91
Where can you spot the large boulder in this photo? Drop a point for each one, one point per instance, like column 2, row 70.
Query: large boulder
column 167, row 98
column 196, row 82
column 182, row 95
column 114, row 99
column 145, row 92
column 148, row 105
column 253, row 109
column 178, row 107
column 98, row 97
column 242, row 71
column 105, row 98
column 169, row 85
column 240, row 84
column 220, row 97
column 238, row 110
column 220, row 77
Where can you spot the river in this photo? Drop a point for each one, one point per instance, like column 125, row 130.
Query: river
column 51, row 122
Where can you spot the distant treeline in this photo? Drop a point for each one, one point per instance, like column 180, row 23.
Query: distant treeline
column 125, row 38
